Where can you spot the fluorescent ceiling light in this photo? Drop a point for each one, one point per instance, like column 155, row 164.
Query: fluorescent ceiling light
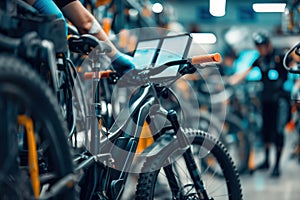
column 217, row 7
column 157, row 8
column 269, row 7
column 204, row 38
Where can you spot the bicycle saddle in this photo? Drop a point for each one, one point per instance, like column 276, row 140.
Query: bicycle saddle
column 84, row 44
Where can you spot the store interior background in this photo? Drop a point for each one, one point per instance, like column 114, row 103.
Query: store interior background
column 235, row 27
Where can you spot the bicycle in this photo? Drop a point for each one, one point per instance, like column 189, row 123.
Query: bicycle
column 117, row 149
column 36, row 159
column 34, row 150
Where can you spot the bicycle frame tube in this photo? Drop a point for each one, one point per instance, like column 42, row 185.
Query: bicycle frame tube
column 124, row 136
column 133, row 112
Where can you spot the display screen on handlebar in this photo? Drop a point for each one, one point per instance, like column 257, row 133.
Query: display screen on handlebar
column 145, row 52
column 173, row 48
column 156, row 52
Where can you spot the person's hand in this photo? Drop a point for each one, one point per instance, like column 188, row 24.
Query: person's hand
column 122, row 63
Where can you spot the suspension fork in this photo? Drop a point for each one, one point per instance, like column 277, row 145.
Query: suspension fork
column 95, row 106
column 32, row 154
column 188, row 158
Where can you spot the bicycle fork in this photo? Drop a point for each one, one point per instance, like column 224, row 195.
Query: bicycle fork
column 189, row 160
column 32, row 154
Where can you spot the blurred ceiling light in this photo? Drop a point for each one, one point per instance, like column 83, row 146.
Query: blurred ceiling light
column 133, row 12
column 235, row 35
column 204, row 38
column 217, row 7
column 157, row 8
column 269, row 7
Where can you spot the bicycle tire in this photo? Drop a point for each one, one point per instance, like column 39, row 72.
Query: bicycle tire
column 233, row 136
column 22, row 91
column 237, row 142
column 148, row 179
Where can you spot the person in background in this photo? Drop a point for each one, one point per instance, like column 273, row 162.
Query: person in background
column 293, row 125
column 229, row 57
column 86, row 23
column 274, row 98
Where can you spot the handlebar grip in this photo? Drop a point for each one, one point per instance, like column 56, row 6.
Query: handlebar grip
column 205, row 58
column 101, row 74
column 89, row 75
column 106, row 73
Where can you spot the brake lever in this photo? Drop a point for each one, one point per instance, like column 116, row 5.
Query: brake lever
column 187, row 69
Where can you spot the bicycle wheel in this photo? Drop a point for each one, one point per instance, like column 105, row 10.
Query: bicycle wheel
column 35, row 154
column 237, row 142
column 153, row 184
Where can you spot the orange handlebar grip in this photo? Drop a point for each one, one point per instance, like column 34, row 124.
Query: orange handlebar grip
column 101, row 74
column 88, row 75
column 106, row 74
column 206, row 58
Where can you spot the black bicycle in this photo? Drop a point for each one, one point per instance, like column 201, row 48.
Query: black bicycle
column 196, row 153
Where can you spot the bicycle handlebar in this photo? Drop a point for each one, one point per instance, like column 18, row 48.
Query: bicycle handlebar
column 141, row 75
column 195, row 60
column 293, row 70
column 188, row 66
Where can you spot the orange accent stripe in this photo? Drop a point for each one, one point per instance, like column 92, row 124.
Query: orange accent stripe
column 32, row 154
column 146, row 138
